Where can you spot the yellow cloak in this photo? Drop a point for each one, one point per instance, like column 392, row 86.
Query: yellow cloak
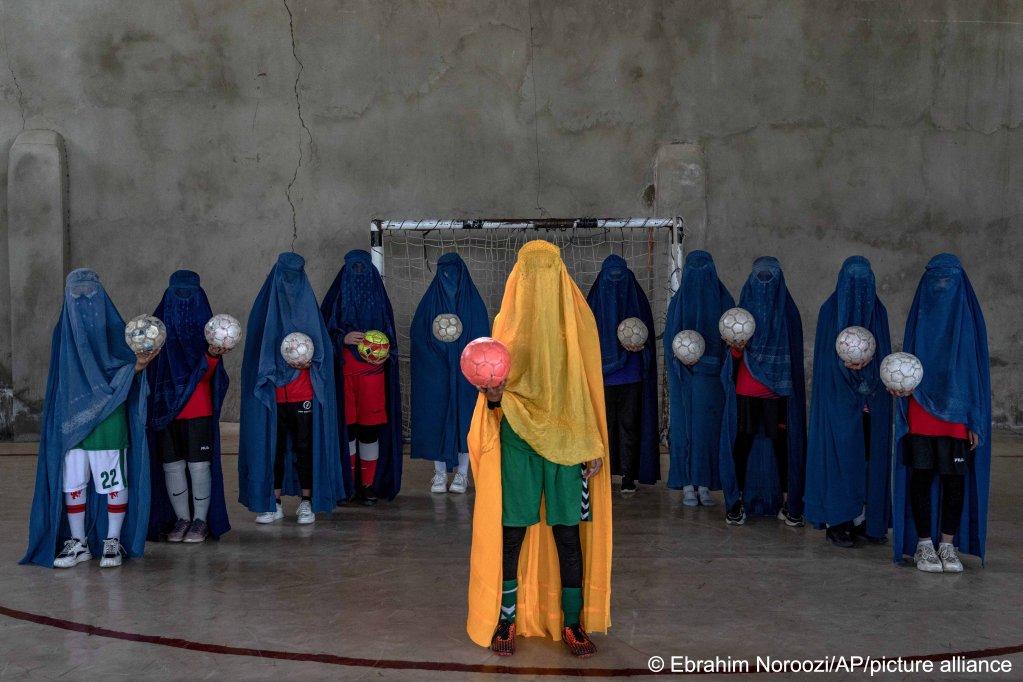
column 554, row 400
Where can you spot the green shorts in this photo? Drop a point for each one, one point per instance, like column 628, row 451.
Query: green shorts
column 526, row 476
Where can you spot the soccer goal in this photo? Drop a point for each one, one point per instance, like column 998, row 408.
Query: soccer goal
column 406, row 253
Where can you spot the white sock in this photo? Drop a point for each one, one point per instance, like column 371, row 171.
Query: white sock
column 351, row 447
column 76, row 521
column 463, row 463
column 862, row 517
column 689, row 489
column 114, row 521
column 369, row 452
column 920, row 543
column 440, row 468
column 202, row 484
column 177, row 488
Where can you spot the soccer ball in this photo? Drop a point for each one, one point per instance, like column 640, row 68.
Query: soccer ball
column 855, row 345
column 223, row 331
column 145, row 334
column 737, row 325
column 375, row 348
column 447, row 327
column 297, row 349
column 632, row 332
column 901, row 371
column 688, row 346
column 485, row 362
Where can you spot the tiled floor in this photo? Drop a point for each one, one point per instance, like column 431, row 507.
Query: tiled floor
column 389, row 584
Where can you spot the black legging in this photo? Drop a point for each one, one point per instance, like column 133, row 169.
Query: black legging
column 953, row 489
column 740, row 455
column 570, row 553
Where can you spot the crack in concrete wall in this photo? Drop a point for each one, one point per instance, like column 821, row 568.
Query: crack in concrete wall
column 301, row 120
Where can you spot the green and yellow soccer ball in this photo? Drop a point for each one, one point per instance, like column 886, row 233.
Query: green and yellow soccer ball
column 375, row 348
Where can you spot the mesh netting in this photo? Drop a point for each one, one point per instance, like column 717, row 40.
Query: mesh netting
column 410, row 258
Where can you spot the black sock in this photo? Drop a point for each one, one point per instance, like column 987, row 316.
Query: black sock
column 307, row 498
column 278, row 500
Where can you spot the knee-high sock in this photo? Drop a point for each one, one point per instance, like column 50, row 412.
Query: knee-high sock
column 369, row 453
column 116, row 510
column 463, row 462
column 75, row 505
column 202, row 485
column 440, row 468
column 177, row 488
column 353, row 459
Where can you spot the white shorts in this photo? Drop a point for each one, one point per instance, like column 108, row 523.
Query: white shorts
column 105, row 466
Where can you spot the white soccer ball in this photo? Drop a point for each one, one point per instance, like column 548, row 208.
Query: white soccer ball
column 901, row 371
column 297, row 348
column 737, row 325
column 855, row 345
column 145, row 334
column 447, row 327
column 223, row 331
column 632, row 332
column 688, row 346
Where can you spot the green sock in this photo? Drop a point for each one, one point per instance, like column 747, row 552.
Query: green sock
column 509, row 596
column 571, row 604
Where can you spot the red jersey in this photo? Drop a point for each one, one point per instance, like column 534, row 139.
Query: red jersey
column 923, row 423
column 200, row 404
column 746, row 384
column 297, row 391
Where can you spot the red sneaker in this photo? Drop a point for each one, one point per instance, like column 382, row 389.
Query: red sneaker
column 578, row 641
column 503, row 642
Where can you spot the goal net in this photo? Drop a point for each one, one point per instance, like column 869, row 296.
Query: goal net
column 406, row 253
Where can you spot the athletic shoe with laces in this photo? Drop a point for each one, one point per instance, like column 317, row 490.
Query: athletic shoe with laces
column 305, row 513
column 705, row 497
column 736, row 516
column 72, row 554
column 112, row 551
column 689, row 498
column 927, row 559
column 460, row 483
column 271, row 516
column 950, row 562
column 840, row 535
column 578, row 641
column 503, row 641
column 789, row 519
column 180, row 528
column 197, row 532
column 628, row 485
column 369, row 496
column 439, row 483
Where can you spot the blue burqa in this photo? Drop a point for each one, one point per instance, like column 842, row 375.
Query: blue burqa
column 616, row 296
column 442, row 400
column 946, row 331
column 839, row 478
column 92, row 372
column 357, row 301
column 286, row 304
column 695, row 393
column 774, row 356
column 173, row 377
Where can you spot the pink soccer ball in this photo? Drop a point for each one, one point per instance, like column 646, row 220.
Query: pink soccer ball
column 485, row 362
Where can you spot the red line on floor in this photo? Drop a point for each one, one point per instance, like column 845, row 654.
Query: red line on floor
column 349, row 661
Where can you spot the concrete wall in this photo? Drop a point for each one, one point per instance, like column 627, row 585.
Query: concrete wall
column 212, row 134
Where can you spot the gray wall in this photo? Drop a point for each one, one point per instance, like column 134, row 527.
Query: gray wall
column 889, row 129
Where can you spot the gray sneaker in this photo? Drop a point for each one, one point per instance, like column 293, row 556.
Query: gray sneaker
column 197, row 532
column 459, row 485
column 305, row 513
column 705, row 497
column 950, row 562
column 927, row 559
column 180, row 528
column 689, row 497
column 270, row 516
column 112, row 551
column 73, row 553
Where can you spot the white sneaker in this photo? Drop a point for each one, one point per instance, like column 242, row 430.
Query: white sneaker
column 305, row 513
column 460, row 483
column 112, row 552
column 73, row 553
column 706, row 499
column 271, row 516
column 689, row 497
column 439, row 484
column 950, row 562
column 927, row 559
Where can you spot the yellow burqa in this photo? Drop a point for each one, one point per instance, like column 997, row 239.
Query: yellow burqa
column 554, row 400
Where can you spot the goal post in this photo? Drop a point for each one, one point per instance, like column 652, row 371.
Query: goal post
column 406, row 253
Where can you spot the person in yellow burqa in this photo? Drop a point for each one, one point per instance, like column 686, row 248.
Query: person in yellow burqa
column 541, row 536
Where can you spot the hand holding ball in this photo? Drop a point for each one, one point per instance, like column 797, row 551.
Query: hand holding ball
column 375, row 347
column 855, row 347
column 901, row 373
column 145, row 334
column 632, row 333
column 485, row 362
column 688, row 346
column 223, row 332
column 297, row 350
column 737, row 326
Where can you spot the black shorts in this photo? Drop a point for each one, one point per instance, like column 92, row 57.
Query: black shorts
column 943, row 454
column 186, row 439
column 754, row 412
